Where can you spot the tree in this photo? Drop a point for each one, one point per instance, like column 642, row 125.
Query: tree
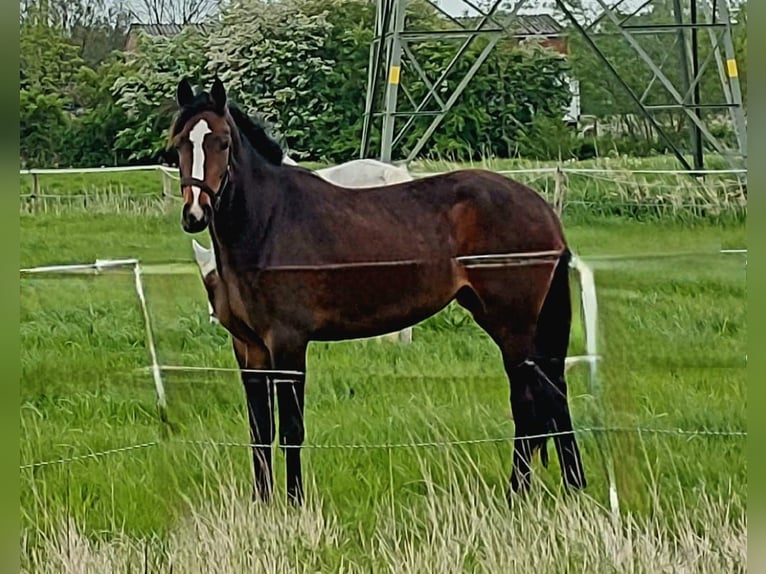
column 172, row 11
column 496, row 113
column 272, row 56
column 47, row 70
column 146, row 89
column 97, row 27
column 42, row 124
column 337, row 133
column 92, row 132
column 48, row 61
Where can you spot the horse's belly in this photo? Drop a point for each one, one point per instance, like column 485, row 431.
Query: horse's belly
column 364, row 301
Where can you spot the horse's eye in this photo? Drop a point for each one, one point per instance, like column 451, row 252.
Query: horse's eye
column 224, row 145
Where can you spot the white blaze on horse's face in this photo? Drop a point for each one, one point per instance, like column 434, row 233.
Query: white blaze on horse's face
column 197, row 138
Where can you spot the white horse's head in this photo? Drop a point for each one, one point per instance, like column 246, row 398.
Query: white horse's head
column 205, row 258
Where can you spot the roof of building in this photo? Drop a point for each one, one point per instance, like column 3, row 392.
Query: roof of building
column 536, row 25
column 164, row 29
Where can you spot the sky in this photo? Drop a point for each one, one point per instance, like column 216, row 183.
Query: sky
column 458, row 7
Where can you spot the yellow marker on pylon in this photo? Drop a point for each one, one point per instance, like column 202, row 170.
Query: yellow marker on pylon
column 732, row 68
column 393, row 75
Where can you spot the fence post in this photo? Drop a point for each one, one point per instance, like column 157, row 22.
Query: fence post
column 558, row 191
column 166, row 186
column 35, row 186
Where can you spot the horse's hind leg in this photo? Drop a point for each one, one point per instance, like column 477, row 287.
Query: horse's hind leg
column 260, row 408
column 534, row 349
column 554, row 404
column 530, row 430
column 538, row 407
column 513, row 332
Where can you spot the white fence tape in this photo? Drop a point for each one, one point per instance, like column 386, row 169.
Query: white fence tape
column 99, row 265
column 74, row 170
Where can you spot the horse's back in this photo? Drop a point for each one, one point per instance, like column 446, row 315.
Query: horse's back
column 458, row 213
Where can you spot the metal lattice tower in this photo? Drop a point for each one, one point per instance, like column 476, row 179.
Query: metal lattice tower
column 392, row 61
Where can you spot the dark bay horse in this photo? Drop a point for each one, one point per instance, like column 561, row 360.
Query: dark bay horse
column 300, row 259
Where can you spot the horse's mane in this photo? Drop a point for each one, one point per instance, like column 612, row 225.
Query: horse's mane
column 254, row 130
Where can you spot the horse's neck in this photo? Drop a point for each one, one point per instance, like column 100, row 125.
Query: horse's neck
column 223, row 254
column 241, row 223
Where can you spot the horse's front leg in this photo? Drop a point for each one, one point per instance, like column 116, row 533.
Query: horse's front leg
column 291, row 357
column 259, row 391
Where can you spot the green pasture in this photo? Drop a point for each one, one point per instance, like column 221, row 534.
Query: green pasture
column 672, row 332
column 599, row 187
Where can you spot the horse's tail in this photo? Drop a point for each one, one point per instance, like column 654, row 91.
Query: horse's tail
column 551, row 346
column 555, row 319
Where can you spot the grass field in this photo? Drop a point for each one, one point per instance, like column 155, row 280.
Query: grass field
column 606, row 187
column 672, row 333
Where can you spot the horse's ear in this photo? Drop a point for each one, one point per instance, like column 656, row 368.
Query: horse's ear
column 184, row 93
column 218, row 95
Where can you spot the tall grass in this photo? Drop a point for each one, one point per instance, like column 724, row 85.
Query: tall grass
column 464, row 526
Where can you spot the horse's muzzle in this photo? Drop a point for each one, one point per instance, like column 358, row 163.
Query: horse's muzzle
column 193, row 224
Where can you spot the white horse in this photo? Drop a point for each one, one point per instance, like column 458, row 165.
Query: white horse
column 361, row 173
column 357, row 173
